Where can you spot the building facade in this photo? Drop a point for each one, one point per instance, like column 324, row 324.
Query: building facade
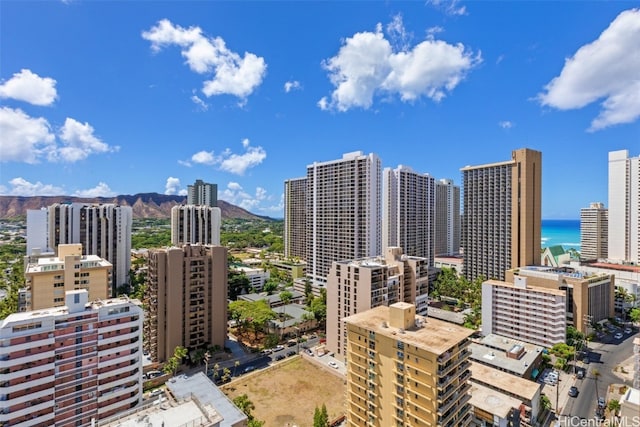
column 408, row 212
column 47, row 278
column 624, row 207
column 406, row 370
column 501, row 224
column 191, row 224
column 343, row 213
column 202, row 193
column 447, row 218
column 102, row 229
column 295, row 217
column 531, row 314
column 71, row 365
column 358, row 285
column 186, row 296
column 594, row 232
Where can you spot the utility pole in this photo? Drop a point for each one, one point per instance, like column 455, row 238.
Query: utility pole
column 207, row 356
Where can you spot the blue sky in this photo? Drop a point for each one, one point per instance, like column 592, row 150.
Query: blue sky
column 101, row 98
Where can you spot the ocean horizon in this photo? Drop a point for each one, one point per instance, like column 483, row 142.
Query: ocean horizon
column 563, row 232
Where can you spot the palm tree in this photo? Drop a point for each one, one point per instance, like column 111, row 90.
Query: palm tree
column 614, row 406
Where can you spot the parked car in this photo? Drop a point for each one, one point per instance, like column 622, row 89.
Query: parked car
column 278, row 348
column 580, row 374
column 627, row 331
column 249, row 369
column 333, row 364
column 585, row 360
column 266, row 351
column 156, row 392
column 573, row 391
column 618, row 336
column 309, row 352
column 601, row 402
column 280, row 357
column 291, row 353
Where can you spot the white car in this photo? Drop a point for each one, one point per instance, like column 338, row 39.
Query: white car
column 333, row 364
column 628, row 331
column 156, row 392
column 618, row 336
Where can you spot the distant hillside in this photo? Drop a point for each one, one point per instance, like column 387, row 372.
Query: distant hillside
column 144, row 205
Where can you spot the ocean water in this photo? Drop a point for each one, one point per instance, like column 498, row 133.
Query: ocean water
column 565, row 232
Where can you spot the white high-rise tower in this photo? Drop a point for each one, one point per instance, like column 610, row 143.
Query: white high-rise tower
column 624, row 207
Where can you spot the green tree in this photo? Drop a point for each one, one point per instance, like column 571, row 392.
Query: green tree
column 319, row 309
column 321, row 417
column 238, row 283
column 253, row 315
column 246, row 406
column 614, row 406
column 174, row 362
column 545, row 403
column 270, row 286
column 634, row 315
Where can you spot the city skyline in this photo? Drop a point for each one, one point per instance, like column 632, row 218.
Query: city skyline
column 247, row 95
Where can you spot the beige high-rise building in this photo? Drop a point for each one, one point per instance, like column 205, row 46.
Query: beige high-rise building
column 624, row 207
column 358, row 285
column 408, row 211
column 295, row 218
column 195, row 224
column 406, row 370
column 343, row 213
column 594, row 232
column 186, row 296
column 447, row 218
column 501, row 225
column 48, row 278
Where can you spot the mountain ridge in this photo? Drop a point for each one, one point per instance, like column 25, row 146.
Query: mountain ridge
column 143, row 205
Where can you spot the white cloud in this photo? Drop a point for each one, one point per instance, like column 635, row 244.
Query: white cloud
column 78, row 142
column 100, row 190
column 173, row 187
column 292, row 85
column 606, row 69
column 203, row 106
column 506, row 124
column 367, row 65
column 232, row 74
column 29, row 87
column 23, row 138
column 434, row 30
column 235, row 194
column 450, row 7
column 229, row 161
column 22, row 187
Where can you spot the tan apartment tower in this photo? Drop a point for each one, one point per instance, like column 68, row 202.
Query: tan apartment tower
column 357, row 285
column 406, row 370
column 343, row 219
column 295, row 218
column 195, row 224
column 186, row 299
column 49, row 277
column 501, row 225
column 447, row 218
column 408, row 211
column 594, row 232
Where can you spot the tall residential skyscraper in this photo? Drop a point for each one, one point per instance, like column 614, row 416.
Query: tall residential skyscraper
column 594, row 232
column 195, row 224
column 406, row 370
column 295, row 217
column 624, row 207
column 343, row 211
column 354, row 286
column 447, row 218
column 186, row 296
column 501, row 225
column 102, row 229
column 202, row 193
column 71, row 365
column 408, row 211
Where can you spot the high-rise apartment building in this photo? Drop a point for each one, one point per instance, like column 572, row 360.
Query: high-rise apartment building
column 71, row 365
column 447, row 218
column 501, row 225
column 357, row 285
column 202, row 193
column 343, row 211
column 295, row 217
column 195, row 224
column 624, row 207
column 406, row 370
column 408, row 211
column 594, row 232
column 102, row 229
column 186, row 296
column 48, row 278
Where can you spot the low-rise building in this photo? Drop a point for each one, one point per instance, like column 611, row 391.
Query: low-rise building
column 505, row 354
column 71, row 365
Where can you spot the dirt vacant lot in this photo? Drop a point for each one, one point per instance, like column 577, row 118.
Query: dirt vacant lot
column 287, row 394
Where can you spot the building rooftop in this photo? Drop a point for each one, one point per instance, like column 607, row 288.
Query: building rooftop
column 47, row 263
column 492, row 350
column 512, row 384
column 207, row 393
column 492, row 401
column 433, row 335
column 529, row 287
